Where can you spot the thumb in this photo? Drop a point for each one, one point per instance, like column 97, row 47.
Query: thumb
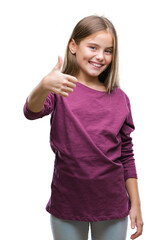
column 133, row 223
column 59, row 64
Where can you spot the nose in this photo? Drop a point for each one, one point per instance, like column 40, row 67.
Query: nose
column 100, row 56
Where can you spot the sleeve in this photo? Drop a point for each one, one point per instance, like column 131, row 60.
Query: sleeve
column 127, row 155
column 46, row 110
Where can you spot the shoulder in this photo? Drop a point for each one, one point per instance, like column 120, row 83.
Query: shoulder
column 123, row 99
column 121, row 93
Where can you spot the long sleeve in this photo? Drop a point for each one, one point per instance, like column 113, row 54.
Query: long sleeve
column 127, row 155
column 46, row 110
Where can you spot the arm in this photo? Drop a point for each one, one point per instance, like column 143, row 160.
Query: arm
column 36, row 99
column 135, row 211
column 130, row 173
column 132, row 190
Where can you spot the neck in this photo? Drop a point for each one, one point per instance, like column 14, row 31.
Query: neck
column 88, row 80
column 92, row 82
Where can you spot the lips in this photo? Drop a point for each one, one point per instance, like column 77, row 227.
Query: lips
column 95, row 64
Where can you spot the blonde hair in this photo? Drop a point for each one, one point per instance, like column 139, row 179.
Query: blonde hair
column 83, row 29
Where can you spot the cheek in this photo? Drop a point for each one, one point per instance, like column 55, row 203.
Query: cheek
column 108, row 60
column 79, row 59
column 82, row 56
column 87, row 55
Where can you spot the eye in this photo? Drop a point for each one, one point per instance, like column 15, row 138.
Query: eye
column 109, row 51
column 92, row 47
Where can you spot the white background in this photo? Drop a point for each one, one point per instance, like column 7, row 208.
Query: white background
column 33, row 34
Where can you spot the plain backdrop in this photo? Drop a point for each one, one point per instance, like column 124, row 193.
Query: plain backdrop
column 33, row 34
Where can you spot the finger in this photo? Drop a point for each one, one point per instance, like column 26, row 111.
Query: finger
column 69, row 85
column 71, row 78
column 66, row 84
column 138, row 232
column 65, row 88
column 135, row 235
column 139, row 228
column 60, row 92
column 133, row 223
column 59, row 64
column 64, row 94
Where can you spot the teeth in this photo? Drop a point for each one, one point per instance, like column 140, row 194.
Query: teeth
column 96, row 65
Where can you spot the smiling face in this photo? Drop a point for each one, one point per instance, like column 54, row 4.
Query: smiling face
column 93, row 54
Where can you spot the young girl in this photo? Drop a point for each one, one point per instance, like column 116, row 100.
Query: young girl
column 94, row 179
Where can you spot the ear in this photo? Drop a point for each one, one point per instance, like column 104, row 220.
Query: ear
column 72, row 46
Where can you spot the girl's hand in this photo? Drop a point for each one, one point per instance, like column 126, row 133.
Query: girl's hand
column 58, row 82
column 136, row 220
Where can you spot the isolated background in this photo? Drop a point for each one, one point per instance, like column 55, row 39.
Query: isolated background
column 33, row 34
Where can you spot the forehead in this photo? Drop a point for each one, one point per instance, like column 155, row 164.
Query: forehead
column 101, row 37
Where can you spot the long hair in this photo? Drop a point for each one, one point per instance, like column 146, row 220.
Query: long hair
column 83, row 29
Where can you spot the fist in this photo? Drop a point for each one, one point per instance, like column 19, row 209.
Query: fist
column 58, row 82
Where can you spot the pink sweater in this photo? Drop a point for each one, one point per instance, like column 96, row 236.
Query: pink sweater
column 90, row 136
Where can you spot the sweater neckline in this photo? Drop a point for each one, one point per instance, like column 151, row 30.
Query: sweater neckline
column 90, row 89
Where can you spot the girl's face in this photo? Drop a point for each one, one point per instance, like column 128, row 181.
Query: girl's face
column 93, row 54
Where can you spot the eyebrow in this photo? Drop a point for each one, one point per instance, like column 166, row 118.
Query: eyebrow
column 98, row 45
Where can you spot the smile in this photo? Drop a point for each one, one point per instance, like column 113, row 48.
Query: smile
column 97, row 65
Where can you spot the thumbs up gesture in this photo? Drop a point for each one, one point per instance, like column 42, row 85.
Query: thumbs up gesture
column 58, row 82
column 59, row 64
